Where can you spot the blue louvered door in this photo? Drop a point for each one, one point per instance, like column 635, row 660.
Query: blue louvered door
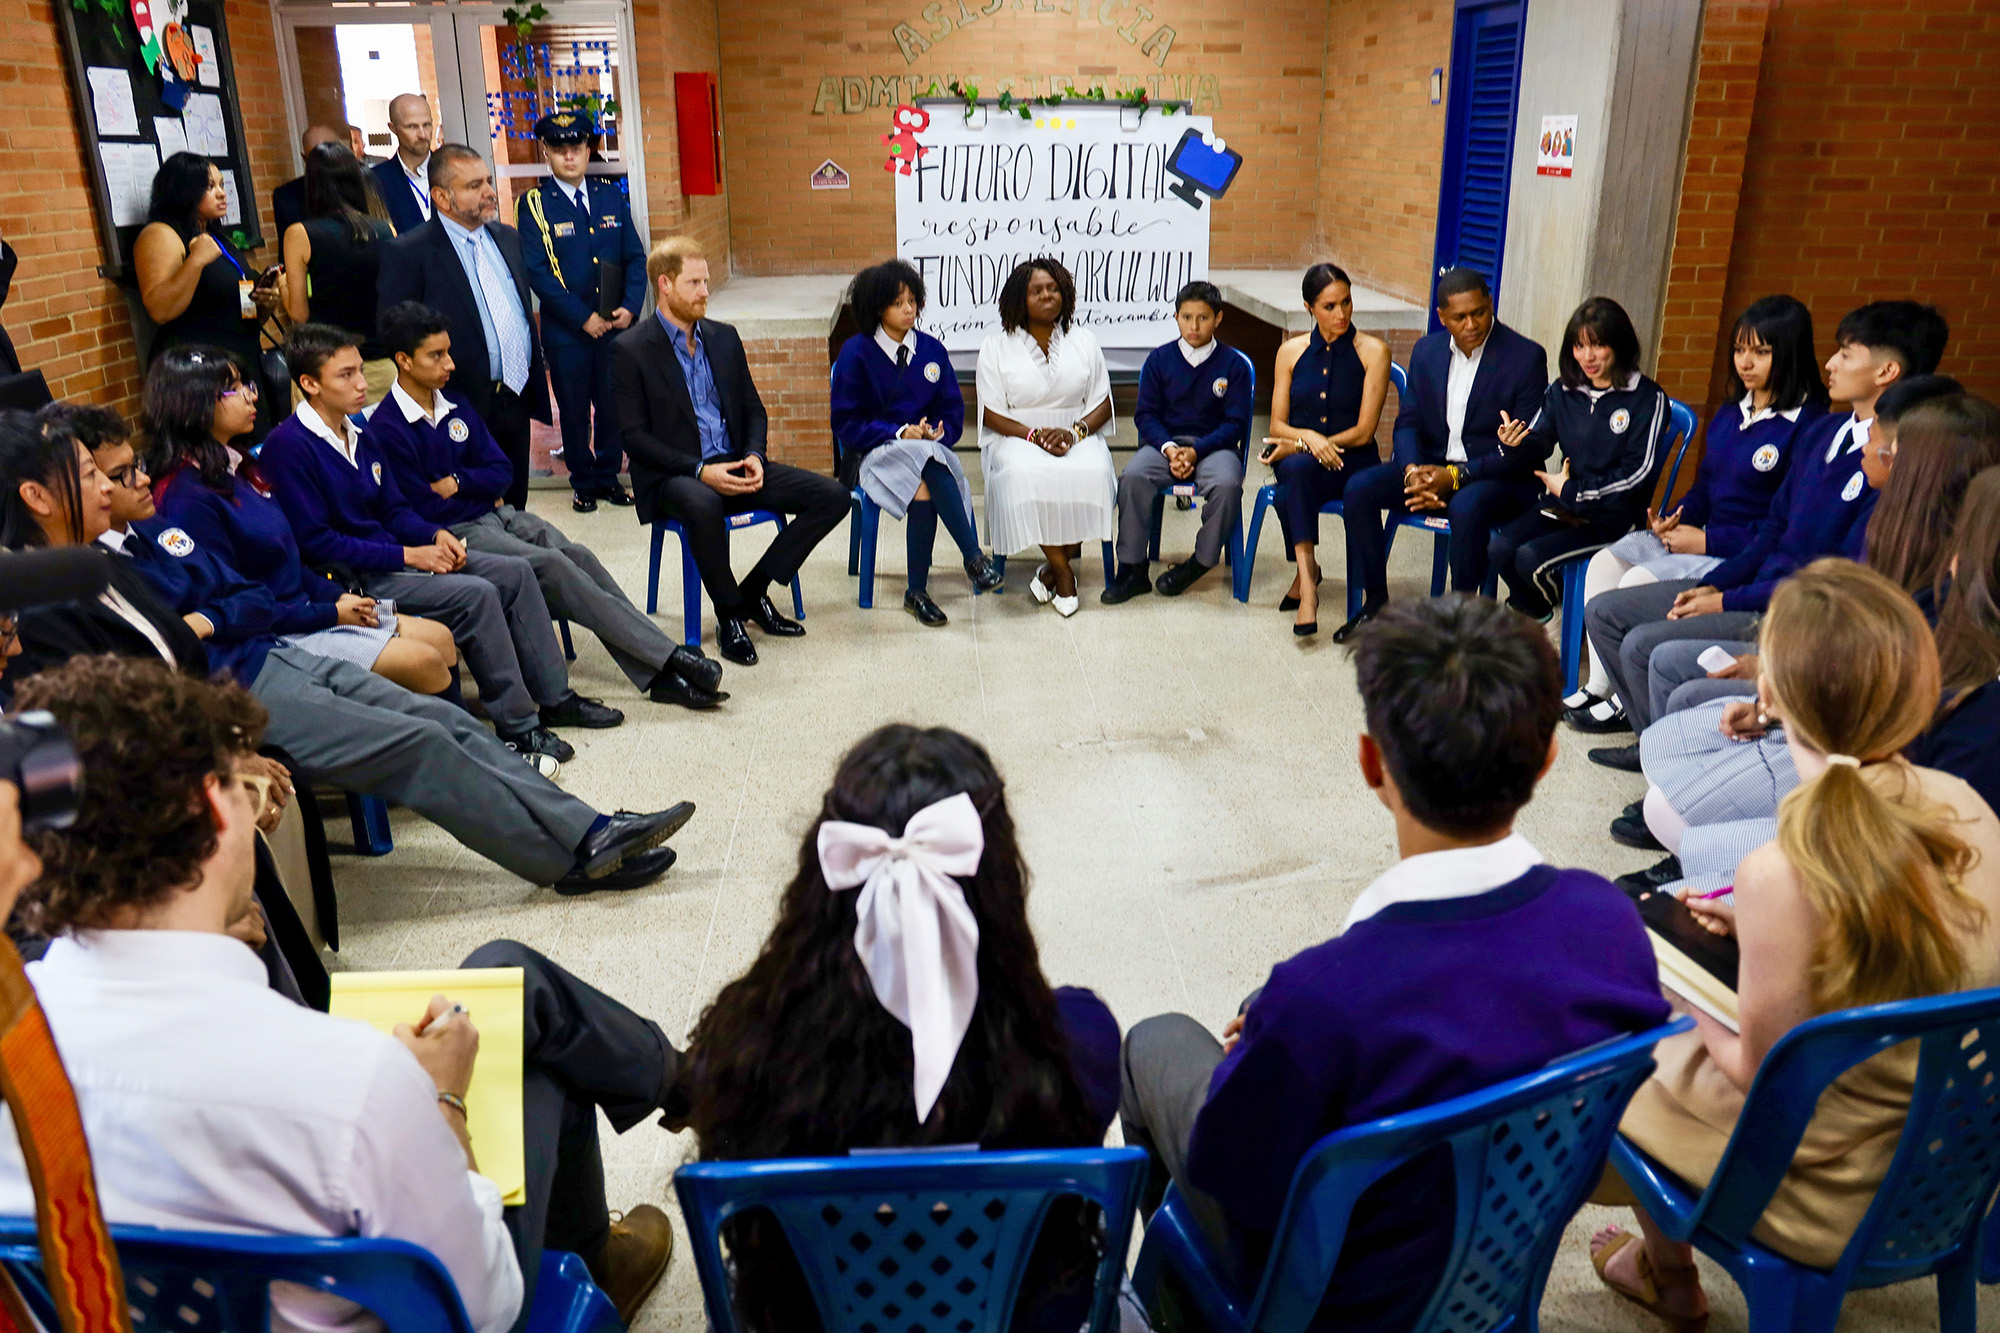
column 1479, row 136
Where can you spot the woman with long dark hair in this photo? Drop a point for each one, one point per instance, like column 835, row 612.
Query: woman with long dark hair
column 845, row 1034
column 334, row 254
column 196, row 403
column 1611, row 422
column 194, row 283
column 1775, row 392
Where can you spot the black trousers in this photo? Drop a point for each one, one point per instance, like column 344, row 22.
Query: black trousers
column 1523, row 551
column 583, row 1051
column 1474, row 510
column 813, row 503
column 506, row 415
column 580, row 377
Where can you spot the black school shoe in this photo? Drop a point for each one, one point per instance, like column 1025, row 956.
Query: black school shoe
column 1655, row 876
column 919, row 604
column 637, row 872
column 733, row 641
column 985, row 575
column 695, row 667
column 1132, row 583
column 670, row 687
column 764, row 615
column 583, row 504
column 1624, row 758
column 540, row 740
column 1180, row 578
column 1629, row 830
column 1370, row 608
column 1594, row 716
column 573, row 710
column 617, row 495
column 626, row 835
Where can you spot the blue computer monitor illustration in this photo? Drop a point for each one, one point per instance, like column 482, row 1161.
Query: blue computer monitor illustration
column 1204, row 167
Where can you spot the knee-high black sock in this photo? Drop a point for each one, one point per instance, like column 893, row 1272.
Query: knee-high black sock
column 452, row 694
column 950, row 505
column 920, row 530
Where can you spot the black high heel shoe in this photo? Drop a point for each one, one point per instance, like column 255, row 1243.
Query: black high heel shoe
column 1291, row 603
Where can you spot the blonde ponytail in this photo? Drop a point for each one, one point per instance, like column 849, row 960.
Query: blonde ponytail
column 1855, row 673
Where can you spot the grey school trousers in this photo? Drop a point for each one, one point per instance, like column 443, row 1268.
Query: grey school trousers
column 576, row 587
column 1218, row 479
column 351, row 729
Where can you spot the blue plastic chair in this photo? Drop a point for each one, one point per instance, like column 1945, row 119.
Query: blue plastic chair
column 918, row 1240
column 1926, row 1216
column 1268, row 495
column 1525, row 1153
column 1232, row 547
column 691, row 577
column 1573, row 566
column 370, row 817
column 215, row 1282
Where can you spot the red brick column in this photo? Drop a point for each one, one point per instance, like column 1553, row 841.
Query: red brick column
column 790, row 374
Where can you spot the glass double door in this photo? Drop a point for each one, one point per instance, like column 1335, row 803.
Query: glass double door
column 485, row 80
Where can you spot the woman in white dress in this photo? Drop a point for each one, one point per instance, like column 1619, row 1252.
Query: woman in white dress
column 1044, row 418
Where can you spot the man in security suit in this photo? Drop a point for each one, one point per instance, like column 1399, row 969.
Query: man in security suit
column 587, row 264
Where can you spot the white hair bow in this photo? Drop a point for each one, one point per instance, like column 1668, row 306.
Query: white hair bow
column 917, row 937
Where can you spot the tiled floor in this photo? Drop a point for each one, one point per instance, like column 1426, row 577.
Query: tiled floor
column 1182, row 773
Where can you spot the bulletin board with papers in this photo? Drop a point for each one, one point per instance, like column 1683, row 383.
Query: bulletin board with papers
column 152, row 78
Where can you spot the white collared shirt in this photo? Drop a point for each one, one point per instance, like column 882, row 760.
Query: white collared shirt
column 1853, row 433
column 211, row 1102
column 1752, row 414
column 347, row 448
column 117, row 603
column 891, row 345
column 1435, row 876
column 441, row 406
column 1457, row 393
column 420, row 182
column 1194, row 356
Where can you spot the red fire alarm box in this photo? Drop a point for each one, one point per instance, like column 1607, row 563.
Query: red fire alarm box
column 698, row 108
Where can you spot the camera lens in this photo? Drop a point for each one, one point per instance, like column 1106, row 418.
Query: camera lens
column 36, row 757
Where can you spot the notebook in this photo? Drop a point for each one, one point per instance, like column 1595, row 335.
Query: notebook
column 1695, row 963
column 492, row 998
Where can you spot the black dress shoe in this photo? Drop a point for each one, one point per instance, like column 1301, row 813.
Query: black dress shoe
column 733, row 641
column 573, row 710
column 1180, row 578
column 985, row 575
column 1370, row 608
column 583, row 504
column 1655, row 876
column 670, row 687
column 637, row 872
column 1540, row 614
column 1307, row 630
column 540, row 740
column 626, row 835
column 695, row 667
column 1624, row 758
column 1126, row 586
column 1598, row 717
column 920, row 605
column 1630, row 830
column 617, row 495
column 764, row 615
column 1291, row 603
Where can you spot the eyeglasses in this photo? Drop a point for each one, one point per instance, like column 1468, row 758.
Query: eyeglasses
column 246, row 388
column 130, row 477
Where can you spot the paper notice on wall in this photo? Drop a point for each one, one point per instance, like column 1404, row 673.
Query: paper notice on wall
column 1555, row 155
column 202, row 120
column 234, row 217
column 111, row 100
column 209, row 73
column 129, row 169
column 172, row 135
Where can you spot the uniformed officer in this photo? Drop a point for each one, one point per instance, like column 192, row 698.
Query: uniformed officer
column 587, row 264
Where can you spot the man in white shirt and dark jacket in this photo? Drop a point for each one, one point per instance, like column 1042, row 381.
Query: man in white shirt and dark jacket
column 212, row 1102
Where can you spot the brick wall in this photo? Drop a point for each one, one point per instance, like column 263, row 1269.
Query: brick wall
column 790, row 374
column 800, row 86
column 677, row 36
column 65, row 320
column 320, row 77
column 1869, row 175
column 1381, row 141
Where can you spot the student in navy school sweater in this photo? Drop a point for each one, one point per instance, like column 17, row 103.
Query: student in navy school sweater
column 897, row 412
column 1468, row 963
column 345, row 508
column 1821, row 509
column 453, row 473
column 1193, row 416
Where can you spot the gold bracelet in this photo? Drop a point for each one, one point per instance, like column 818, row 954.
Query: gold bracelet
column 453, row 1100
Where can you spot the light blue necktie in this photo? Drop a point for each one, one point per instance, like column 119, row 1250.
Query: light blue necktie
column 501, row 299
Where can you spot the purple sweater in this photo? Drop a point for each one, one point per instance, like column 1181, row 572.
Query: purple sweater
column 1422, row 1002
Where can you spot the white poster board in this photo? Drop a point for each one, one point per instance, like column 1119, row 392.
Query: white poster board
column 1086, row 184
column 1555, row 153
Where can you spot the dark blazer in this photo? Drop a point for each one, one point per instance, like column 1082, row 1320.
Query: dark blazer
column 10, row 259
column 656, row 414
column 421, row 265
column 51, row 635
column 404, row 211
column 288, row 204
column 1513, row 372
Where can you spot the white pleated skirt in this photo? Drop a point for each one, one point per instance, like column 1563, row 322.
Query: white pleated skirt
column 1034, row 498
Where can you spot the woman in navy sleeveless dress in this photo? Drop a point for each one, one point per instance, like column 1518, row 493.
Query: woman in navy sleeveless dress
column 1326, row 401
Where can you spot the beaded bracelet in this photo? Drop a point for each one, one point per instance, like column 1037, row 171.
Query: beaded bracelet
column 453, row 1100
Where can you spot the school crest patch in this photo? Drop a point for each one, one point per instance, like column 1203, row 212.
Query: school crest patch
column 931, row 371
column 1765, row 458
column 1221, row 386
column 458, row 430
column 1853, row 487
column 375, row 469
column 177, row 543
column 1621, row 421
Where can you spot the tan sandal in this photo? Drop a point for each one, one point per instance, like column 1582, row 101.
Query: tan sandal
column 1647, row 1297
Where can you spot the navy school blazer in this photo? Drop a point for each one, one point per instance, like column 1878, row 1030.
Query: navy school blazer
column 1513, row 373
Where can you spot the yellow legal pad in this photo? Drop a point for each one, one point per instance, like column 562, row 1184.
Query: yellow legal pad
column 492, row 996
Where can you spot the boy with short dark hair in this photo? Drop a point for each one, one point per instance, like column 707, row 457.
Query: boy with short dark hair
column 1468, row 963
column 1193, row 413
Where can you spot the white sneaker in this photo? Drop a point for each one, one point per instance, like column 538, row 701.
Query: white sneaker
column 1066, row 606
column 545, row 764
column 1039, row 590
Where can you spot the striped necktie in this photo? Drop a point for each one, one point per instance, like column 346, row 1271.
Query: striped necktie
column 503, row 301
